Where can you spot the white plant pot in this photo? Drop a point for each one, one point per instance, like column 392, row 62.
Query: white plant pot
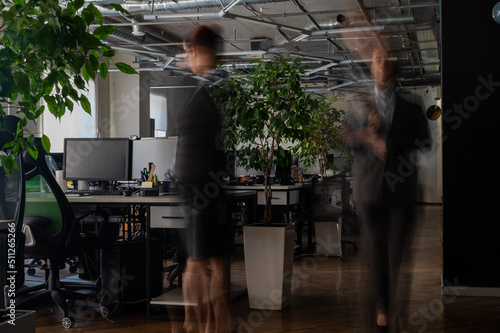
column 268, row 264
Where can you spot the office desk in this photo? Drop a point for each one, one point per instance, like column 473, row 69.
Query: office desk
column 163, row 212
column 283, row 196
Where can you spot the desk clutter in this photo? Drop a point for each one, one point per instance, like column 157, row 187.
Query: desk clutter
column 136, row 188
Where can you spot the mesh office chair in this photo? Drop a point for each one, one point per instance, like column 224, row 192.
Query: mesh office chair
column 54, row 245
column 12, row 198
column 330, row 203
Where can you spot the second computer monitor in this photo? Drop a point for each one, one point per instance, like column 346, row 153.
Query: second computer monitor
column 159, row 151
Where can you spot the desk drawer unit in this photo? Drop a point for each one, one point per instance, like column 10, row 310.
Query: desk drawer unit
column 279, row 198
column 168, row 217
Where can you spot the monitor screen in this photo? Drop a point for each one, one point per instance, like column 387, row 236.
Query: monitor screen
column 159, row 151
column 97, row 159
column 242, row 171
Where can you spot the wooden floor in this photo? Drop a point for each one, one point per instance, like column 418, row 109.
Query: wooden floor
column 327, row 296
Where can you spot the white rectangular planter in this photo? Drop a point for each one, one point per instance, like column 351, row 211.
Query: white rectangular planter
column 269, row 264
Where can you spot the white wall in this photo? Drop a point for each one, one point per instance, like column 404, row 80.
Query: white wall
column 75, row 124
column 124, row 98
column 430, row 172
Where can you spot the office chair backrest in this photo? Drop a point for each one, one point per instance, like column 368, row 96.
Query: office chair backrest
column 40, row 167
column 330, row 198
column 12, row 185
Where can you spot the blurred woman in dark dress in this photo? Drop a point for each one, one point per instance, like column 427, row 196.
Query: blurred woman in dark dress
column 196, row 160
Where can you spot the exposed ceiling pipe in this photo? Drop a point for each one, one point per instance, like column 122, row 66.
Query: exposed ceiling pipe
column 140, row 55
column 150, row 7
column 127, row 37
column 368, row 19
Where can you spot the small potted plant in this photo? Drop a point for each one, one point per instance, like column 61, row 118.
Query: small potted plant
column 265, row 111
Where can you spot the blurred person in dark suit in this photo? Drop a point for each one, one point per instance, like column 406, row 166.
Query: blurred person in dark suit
column 385, row 132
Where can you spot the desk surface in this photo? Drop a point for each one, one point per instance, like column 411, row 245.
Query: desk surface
column 85, row 199
column 261, row 187
column 121, row 199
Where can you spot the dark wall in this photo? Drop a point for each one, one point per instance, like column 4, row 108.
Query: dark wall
column 471, row 124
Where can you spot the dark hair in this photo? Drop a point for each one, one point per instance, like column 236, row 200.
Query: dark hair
column 204, row 36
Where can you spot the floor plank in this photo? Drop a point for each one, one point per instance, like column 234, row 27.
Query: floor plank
column 327, row 296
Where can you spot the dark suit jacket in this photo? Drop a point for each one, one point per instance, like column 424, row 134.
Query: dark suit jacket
column 393, row 180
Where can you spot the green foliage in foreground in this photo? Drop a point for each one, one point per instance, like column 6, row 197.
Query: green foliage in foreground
column 48, row 54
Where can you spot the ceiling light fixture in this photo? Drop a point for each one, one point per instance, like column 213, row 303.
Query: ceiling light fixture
column 496, row 13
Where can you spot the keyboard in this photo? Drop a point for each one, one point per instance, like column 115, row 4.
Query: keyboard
column 94, row 192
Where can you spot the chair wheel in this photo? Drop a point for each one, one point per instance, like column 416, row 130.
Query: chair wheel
column 68, row 322
column 31, row 271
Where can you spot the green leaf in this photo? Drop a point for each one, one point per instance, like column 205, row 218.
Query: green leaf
column 108, row 53
column 118, row 8
column 95, row 64
column 69, row 104
column 86, row 70
column 77, row 4
column 95, row 13
column 87, row 16
column 103, row 70
column 46, row 143
column 33, row 152
column 84, row 102
column 54, row 21
column 8, row 162
column 103, row 31
column 125, row 68
column 52, row 104
column 90, row 41
column 79, row 82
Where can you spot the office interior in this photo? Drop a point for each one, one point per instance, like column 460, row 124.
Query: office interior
column 447, row 58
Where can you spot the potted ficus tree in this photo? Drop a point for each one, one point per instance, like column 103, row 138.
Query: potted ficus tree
column 265, row 111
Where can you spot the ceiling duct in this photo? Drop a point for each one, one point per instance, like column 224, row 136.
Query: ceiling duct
column 378, row 18
column 140, row 56
column 128, row 37
column 150, row 7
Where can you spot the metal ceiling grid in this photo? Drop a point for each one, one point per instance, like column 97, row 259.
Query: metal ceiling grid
column 328, row 34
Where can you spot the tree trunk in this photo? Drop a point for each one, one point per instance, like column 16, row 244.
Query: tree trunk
column 321, row 163
column 268, row 194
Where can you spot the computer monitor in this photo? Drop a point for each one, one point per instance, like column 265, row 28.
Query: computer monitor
column 159, row 151
column 106, row 159
column 242, row 171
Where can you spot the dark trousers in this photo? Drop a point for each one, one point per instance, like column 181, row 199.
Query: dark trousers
column 386, row 236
